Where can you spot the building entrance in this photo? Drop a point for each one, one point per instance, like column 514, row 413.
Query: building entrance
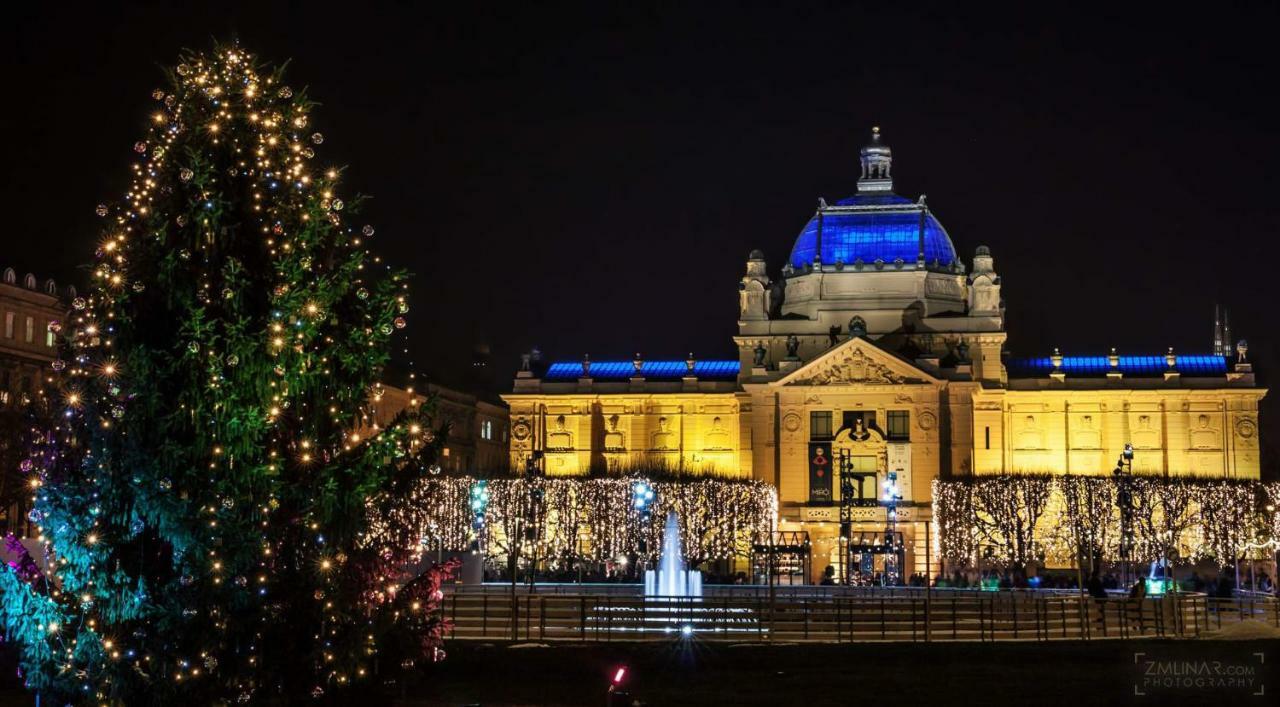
column 874, row 558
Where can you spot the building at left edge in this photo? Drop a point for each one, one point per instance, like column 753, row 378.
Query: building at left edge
column 27, row 351
column 873, row 362
column 478, row 427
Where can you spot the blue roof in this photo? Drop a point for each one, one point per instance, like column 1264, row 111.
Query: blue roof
column 1187, row 365
column 652, row 370
column 874, row 234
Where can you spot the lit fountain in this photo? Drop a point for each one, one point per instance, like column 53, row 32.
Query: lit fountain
column 671, row 579
column 673, row 599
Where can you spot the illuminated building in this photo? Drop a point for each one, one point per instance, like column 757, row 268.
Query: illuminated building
column 478, row 428
column 879, row 355
column 26, row 344
column 27, row 350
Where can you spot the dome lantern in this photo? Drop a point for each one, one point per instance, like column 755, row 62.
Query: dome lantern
column 877, row 166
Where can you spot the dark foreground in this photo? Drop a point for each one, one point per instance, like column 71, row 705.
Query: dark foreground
column 689, row 672
column 693, row 673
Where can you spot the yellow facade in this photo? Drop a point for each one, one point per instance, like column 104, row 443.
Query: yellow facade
column 763, row 427
column 1174, row 431
column 695, row 433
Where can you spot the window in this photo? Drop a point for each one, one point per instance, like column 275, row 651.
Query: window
column 49, row 339
column 850, row 419
column 31, row 329
column 899, row 424
column 486, row 429
column 820, row 425
column 987, row 431
column 8, row 325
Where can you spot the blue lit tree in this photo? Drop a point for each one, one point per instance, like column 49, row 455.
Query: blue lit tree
column 217, row 528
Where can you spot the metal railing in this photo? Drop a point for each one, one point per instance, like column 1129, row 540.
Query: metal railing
column 902, row 614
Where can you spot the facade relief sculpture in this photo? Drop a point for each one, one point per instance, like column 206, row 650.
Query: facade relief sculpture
column 664, row 438
column 791, row 422
column 1087, row 435
column 1203, row 435
column 559, row 438
column 717, row 437
column 855, row 367
column 1145, row 436
column 1030, row 436
column 614, row 440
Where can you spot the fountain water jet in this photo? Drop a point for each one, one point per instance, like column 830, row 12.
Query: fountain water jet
column 671, row 579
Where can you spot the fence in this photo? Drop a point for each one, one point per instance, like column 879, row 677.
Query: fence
column 900, row 614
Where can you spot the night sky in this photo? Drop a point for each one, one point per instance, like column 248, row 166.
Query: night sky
column 590, row 179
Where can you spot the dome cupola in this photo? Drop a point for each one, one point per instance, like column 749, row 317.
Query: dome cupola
column 875, row 229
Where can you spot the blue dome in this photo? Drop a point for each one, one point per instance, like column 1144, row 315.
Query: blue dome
column 875, row 232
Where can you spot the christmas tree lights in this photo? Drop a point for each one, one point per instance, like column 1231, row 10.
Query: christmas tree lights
column 204, row 502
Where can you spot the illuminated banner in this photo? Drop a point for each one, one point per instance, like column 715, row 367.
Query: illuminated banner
column 899, row 460
column 820, row 472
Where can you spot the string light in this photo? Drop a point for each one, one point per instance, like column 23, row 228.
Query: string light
column 587, row 518
column 198, row 471
column 1016, row 519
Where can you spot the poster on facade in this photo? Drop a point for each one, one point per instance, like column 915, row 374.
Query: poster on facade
column 819, row 472
column 899, row 460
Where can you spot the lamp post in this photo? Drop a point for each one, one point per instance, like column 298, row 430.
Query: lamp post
column 1124, row 499
column 524, row 526
column 533, row 479
column 892, row 495
column 642, row 500
column 1275, row 550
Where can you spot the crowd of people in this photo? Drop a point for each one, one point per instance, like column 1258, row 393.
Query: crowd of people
column 1221, row 584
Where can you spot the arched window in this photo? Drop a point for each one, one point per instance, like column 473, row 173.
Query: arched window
column 51, row 287
column 10, row 276
column 29, row 281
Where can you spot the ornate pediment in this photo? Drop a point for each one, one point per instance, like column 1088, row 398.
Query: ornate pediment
column 856, row 362
column 856, row 367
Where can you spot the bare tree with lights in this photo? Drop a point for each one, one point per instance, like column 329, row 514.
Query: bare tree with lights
column 1089, row 506
column 205, row 500
column 1007, row 511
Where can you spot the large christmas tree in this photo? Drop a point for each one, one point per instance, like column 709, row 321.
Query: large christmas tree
column 219, row 513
